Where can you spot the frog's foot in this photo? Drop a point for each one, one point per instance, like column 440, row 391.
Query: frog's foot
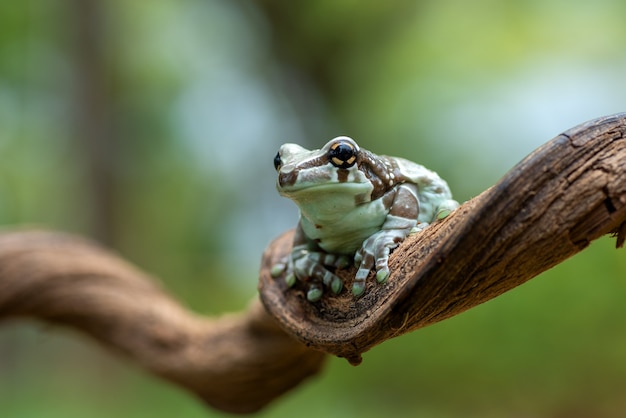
column 420, row 226
column 311, row 267
column 374, row 253
column 445, row 208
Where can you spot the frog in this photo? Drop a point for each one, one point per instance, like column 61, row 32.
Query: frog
column 355, row 207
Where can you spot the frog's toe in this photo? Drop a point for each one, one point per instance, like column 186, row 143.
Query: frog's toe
column 445, row 208
column 382, row 275
column 336, row 285
column 443, row 213
column 358, row 258
column 382, row 266
column 358, row 288
column 420, row 226
column 342, row 262
column 331, row 280
column 278, row 269
column 314, row 294
column 362, row 273
column 367, row 261
column 290, row 279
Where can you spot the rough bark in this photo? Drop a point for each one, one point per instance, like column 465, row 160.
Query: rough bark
column 550, row 206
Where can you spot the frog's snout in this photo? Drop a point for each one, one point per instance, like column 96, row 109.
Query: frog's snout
column 287, row 176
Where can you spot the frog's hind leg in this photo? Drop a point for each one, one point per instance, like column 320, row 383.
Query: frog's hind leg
column 358, row 286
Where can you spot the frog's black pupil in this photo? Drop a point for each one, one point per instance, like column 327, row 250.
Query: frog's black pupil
column 342, row 155
column 277, row 161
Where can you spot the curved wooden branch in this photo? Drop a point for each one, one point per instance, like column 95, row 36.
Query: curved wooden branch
column 550, row 206
column 566, row 194
column 236, row 363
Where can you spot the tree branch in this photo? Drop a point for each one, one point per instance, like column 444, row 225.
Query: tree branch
column 550, row 206
column 237, row 363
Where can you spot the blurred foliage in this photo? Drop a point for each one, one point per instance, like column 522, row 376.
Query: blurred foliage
column 152, row 127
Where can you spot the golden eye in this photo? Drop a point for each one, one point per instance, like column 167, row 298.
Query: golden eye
column 342, row 154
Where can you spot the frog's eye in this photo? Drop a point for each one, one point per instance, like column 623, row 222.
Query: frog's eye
column 277, row 161
column 342, row 154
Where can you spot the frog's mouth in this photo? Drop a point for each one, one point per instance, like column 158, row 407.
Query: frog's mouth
column 329, row 189
column 329, row 198
column 320, row 178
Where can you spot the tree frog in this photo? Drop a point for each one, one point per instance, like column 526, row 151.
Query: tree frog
column 354, row 205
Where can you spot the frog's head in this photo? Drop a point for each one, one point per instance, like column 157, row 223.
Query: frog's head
column 333, row 178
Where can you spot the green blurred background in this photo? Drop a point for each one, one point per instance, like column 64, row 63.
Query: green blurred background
column 152, row 126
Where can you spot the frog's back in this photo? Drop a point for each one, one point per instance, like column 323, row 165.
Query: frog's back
column 422, row 177
column 433, row 192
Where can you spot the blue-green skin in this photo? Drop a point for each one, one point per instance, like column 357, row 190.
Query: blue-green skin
column 353, row 204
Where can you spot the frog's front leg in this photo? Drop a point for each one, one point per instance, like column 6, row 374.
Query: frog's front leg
column 308, row 264
column 400, row 221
